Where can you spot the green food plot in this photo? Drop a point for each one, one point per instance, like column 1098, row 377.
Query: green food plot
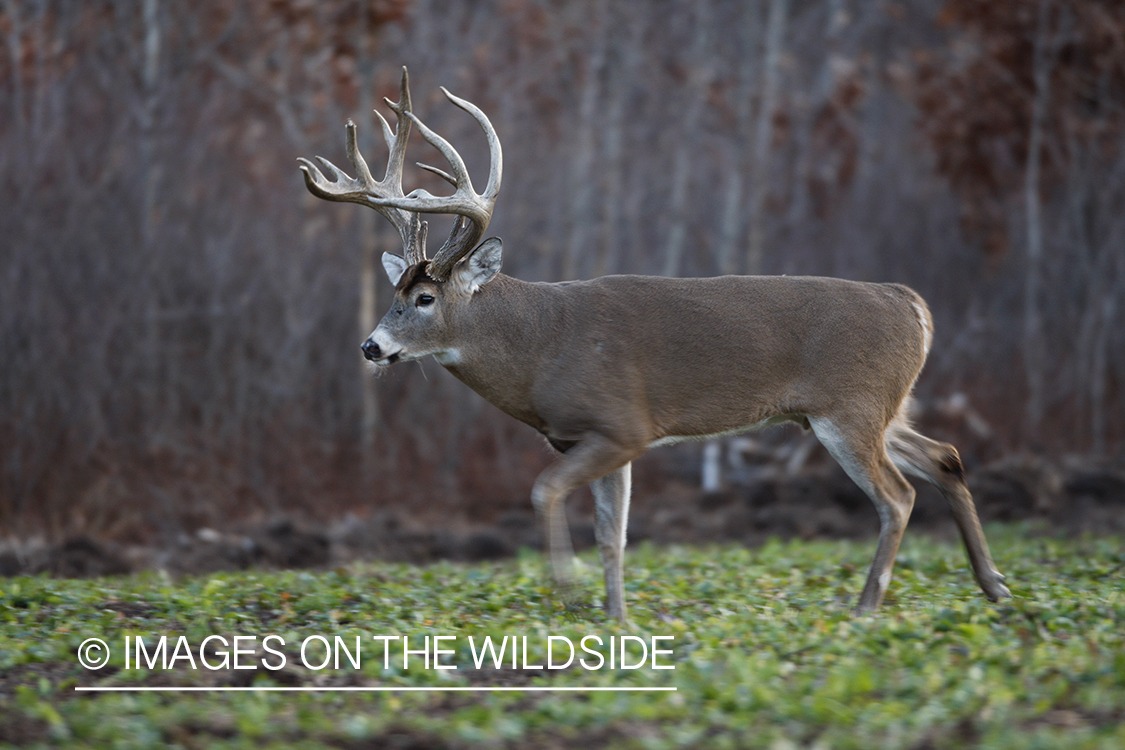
column 765, row 649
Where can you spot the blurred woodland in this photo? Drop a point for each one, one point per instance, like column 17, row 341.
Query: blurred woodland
column 180, row 320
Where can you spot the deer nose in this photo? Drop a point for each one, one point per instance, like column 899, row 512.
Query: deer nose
column 371, row 350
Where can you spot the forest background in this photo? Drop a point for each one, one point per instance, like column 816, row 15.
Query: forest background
column 180, row 320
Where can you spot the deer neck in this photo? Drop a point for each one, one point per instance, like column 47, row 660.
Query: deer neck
column 499, row 338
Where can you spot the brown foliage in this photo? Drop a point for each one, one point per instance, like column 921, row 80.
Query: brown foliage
column 976, row 96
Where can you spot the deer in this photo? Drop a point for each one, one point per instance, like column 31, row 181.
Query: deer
column 609, row 367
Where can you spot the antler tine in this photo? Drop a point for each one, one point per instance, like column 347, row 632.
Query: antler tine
column 439, row 172
column 496, row 155
column 401, row 108
column 351, row 145
column 474, row 211
column 365, row 189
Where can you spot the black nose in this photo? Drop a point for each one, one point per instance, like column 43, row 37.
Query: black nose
column 371, row 350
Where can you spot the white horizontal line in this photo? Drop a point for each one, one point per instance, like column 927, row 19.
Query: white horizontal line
column 383, row 689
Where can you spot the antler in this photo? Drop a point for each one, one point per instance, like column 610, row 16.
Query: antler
column 473, row 210
column 364, row 188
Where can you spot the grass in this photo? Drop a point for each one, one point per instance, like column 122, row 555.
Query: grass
column 766, row 653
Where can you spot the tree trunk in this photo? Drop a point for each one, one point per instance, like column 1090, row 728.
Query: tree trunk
column 732, row 220
column 775, row 37
column 622, row 63
column 583, row 183
column 368, row 236
column 1032, row 323
column 155, row 381
column 688, row 144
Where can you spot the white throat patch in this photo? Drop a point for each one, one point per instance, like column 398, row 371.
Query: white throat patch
column 448, row 357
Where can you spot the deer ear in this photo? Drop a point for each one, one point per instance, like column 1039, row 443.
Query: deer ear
column 481, row 265
column 394, row 266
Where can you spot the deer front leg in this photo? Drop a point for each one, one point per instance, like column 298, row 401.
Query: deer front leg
column 590, row 459
column 611, row 512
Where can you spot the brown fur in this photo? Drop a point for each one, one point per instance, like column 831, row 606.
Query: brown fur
column 606, row 368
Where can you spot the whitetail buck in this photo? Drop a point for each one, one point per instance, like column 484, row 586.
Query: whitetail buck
column 606, row 369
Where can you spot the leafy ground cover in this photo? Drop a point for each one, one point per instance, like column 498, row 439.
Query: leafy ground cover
column 765, row 650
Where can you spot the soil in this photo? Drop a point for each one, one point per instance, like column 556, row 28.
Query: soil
column 818, row 501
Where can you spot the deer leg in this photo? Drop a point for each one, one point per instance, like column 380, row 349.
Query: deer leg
column 939, row 464
column 587, row 460
column 611, row 512
column 865, row 460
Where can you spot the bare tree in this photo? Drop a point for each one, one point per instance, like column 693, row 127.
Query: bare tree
column 698, row 77
column 732, row 222
column 366, row 50
column 583, row 213
column 775, row 39
column 1032, row 327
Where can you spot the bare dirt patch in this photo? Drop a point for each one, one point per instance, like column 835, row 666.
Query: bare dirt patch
column 817, row 502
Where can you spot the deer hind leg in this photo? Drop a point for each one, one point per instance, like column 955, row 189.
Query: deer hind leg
column 939, row 464
column 611, row 512
column 861, row 453
column 587, row 460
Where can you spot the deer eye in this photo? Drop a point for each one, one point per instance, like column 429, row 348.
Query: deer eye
column 424, row 299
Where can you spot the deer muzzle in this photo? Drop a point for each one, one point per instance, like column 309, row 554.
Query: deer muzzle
column 378, row 354
column 371, row 350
